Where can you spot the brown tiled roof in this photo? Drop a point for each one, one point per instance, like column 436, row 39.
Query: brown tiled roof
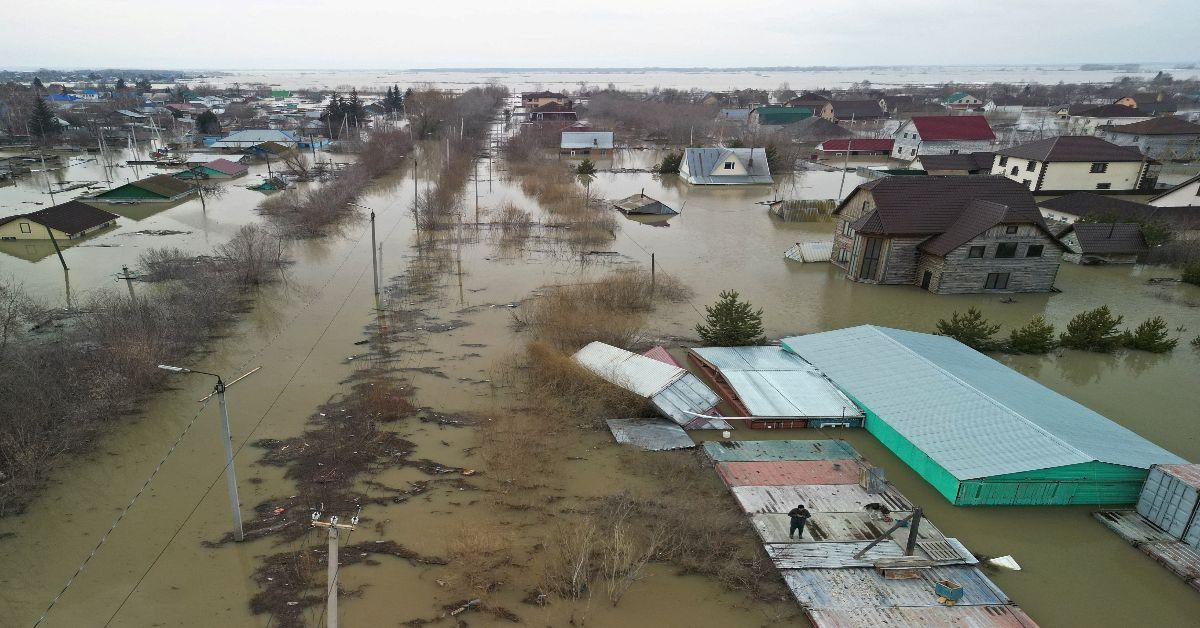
column 978, row 216
column 1095, row 206
column 163, row 184
column 1112, row 111
column 1098, row 238
column 857, row 109
column 981, row 160
column 1072, row 148
column 69, row 217
column 1167, row 125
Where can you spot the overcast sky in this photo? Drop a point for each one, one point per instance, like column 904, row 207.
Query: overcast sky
column 398, row 34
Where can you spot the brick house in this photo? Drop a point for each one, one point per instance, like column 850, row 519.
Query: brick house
column 946, row 234
column 942, row 135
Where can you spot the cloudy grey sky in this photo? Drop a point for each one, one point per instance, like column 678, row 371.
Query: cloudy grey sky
column 396, row 34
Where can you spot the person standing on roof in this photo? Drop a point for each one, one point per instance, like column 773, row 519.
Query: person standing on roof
column 799, row 516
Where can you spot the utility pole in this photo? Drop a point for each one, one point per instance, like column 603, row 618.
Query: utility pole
column 128, row 282
column 652, row 275
column 846, row 161
column 334, row 528
column 58, row 250
column 374, row 258
column 477, row 192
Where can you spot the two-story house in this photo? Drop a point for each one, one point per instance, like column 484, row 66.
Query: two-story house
column 1086, row 121
column 942, row 135
column 1167, row 137
column 948, row 235
column 962, row 101
column 1070, row 163
column 538, row 99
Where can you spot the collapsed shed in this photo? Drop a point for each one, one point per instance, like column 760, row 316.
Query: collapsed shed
column 978, row 431
column 674, row 392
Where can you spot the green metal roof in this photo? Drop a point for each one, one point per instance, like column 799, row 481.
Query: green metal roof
column 782, row 115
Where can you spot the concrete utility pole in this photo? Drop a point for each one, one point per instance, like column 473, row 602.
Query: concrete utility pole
column 227, row 438
column 334, row 528
column 128, row 281
column 374, row 249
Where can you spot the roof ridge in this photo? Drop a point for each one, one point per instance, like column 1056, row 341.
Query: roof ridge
column 986, row 396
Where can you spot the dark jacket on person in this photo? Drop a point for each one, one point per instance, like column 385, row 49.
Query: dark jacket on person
column 799, row 515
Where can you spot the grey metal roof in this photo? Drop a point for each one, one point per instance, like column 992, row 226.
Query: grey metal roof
column 861, row 587
column 650, row 434
column 700, row 162
column 772, row 382
column 587, row 139
column 674, row 392
column 254, row 137
column 972, row 415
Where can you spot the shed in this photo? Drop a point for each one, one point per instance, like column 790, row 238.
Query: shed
column 674, row 392
column 160, row 188
column 1103, row 243
column 979, row 432
column 642, row 205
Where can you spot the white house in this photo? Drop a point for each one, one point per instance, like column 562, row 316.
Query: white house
column 942, row 135
column 725, row 166
column 962, row 100
column 1085, row 122
column 1186, row 194
column 1074, row 163
column 1167, row 137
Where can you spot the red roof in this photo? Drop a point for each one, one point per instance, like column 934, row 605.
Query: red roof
column 224, row 166
column 661, row 354
column 953, row 128
column 857, row 143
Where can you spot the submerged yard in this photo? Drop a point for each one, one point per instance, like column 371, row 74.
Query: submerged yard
column 463, row 302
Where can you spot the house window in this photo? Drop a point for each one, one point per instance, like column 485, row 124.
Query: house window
column 1006, row 249
column 1031, row 166
column 996, row 281
column 843, row 255
column 1015, row 171
column 846, row 230
column 1099, row 167
column 976, row 251
column 1029, row 184
column 1010, row 230
column 1034, row 250
column 1003, row 160
column 912, row 152
column 729, row 165
column 954, row 151
column 1103, row 186
column 870, row 262
column 25, row 228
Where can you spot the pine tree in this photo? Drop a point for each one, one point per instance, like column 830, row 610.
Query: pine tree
column 586, row 167
column 143, row 85
column 731, row 322
column 1150, row 336
column 971, row 329
column 208, row 124
column 37, row 85
column 41, row 120
column 120, row 85
column 669, row 164
column 1094, row 330
column 1037, row 337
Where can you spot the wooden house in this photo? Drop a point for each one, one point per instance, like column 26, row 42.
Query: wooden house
column 948, row 235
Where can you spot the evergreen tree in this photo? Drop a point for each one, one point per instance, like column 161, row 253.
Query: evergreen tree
column 393, row 102
column 143, row 85
column 669, row 164
column 773, row 162
column 37, row 85
column 731, row 322
column 41, row 120
column 208, row 124
column 1150, row 336
column 1037, row 336
column 586, row 167
column 120, row 85
column 971, row 329
column 1094, row 330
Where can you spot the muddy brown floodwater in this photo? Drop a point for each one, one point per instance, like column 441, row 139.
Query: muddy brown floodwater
column 1076, row 573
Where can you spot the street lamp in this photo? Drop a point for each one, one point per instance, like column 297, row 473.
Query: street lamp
column 227, row 438
column 374, row 260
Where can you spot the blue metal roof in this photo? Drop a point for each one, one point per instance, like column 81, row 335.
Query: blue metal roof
column 699, row 164
column 972, row 415
column 774, row 383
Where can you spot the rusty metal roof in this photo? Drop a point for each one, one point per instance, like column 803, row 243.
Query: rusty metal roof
column 789, row 473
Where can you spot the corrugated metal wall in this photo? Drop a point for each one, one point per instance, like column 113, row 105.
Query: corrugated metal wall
column 1088, row 483
column 916, row 459
column 1171, row 504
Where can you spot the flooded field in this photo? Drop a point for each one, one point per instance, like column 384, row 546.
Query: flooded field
column 154, row 569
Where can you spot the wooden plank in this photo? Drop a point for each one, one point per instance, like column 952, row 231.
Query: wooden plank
column 789, row 473
column 816, row 497
column 850, row 588
column 1132, row 527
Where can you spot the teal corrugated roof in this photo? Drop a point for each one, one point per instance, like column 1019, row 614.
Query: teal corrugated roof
column 972, row 415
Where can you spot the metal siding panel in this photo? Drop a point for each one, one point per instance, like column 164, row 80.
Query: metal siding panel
column 990, row 616
column 862, row 588
column 817, row 497
column 830, row 556
column 649, row 434
column 761, row 450
column 789, row 473
column 838, row 527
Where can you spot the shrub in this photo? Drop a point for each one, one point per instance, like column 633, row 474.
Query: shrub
column 669, row 164
column 1191, row 273
column 1037, row 336
column 731, row 322
column 1150, row 336
column 1094, row 330
column 971, row 329
column 1196, row 342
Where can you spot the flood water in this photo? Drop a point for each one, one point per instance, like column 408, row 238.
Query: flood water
column 1077, row 573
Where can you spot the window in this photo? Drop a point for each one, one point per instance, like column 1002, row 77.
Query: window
column 1034, row 250
column 865, row 204
column 25, row 228
column 912, row 152
column 1005, row 250
column 954, row 151
column 843, row 255
column 729, row 165
column 1099, row 167
column 996, row 281
column 1015, row 171
column 870, row 261
column 846, row 230
column 1010, row 230
column 1030, row 166
column 1004, row 160
column 976, row 251
column 1103, row 186
column 1028, row 184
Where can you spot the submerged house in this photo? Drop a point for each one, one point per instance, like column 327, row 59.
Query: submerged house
column 1160, row 138
column 1086, row 121
column 948, row 235
column 161, row 188
column 642, row 205
column 1103, row 243
column 979, row 162
column 65, row 221
column 839, row 147
column 250, row 138
column 1074, row 163
column 979, row 432
column 216, row 169
column 590, row 143
column 942, row 135
column 725, row 166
